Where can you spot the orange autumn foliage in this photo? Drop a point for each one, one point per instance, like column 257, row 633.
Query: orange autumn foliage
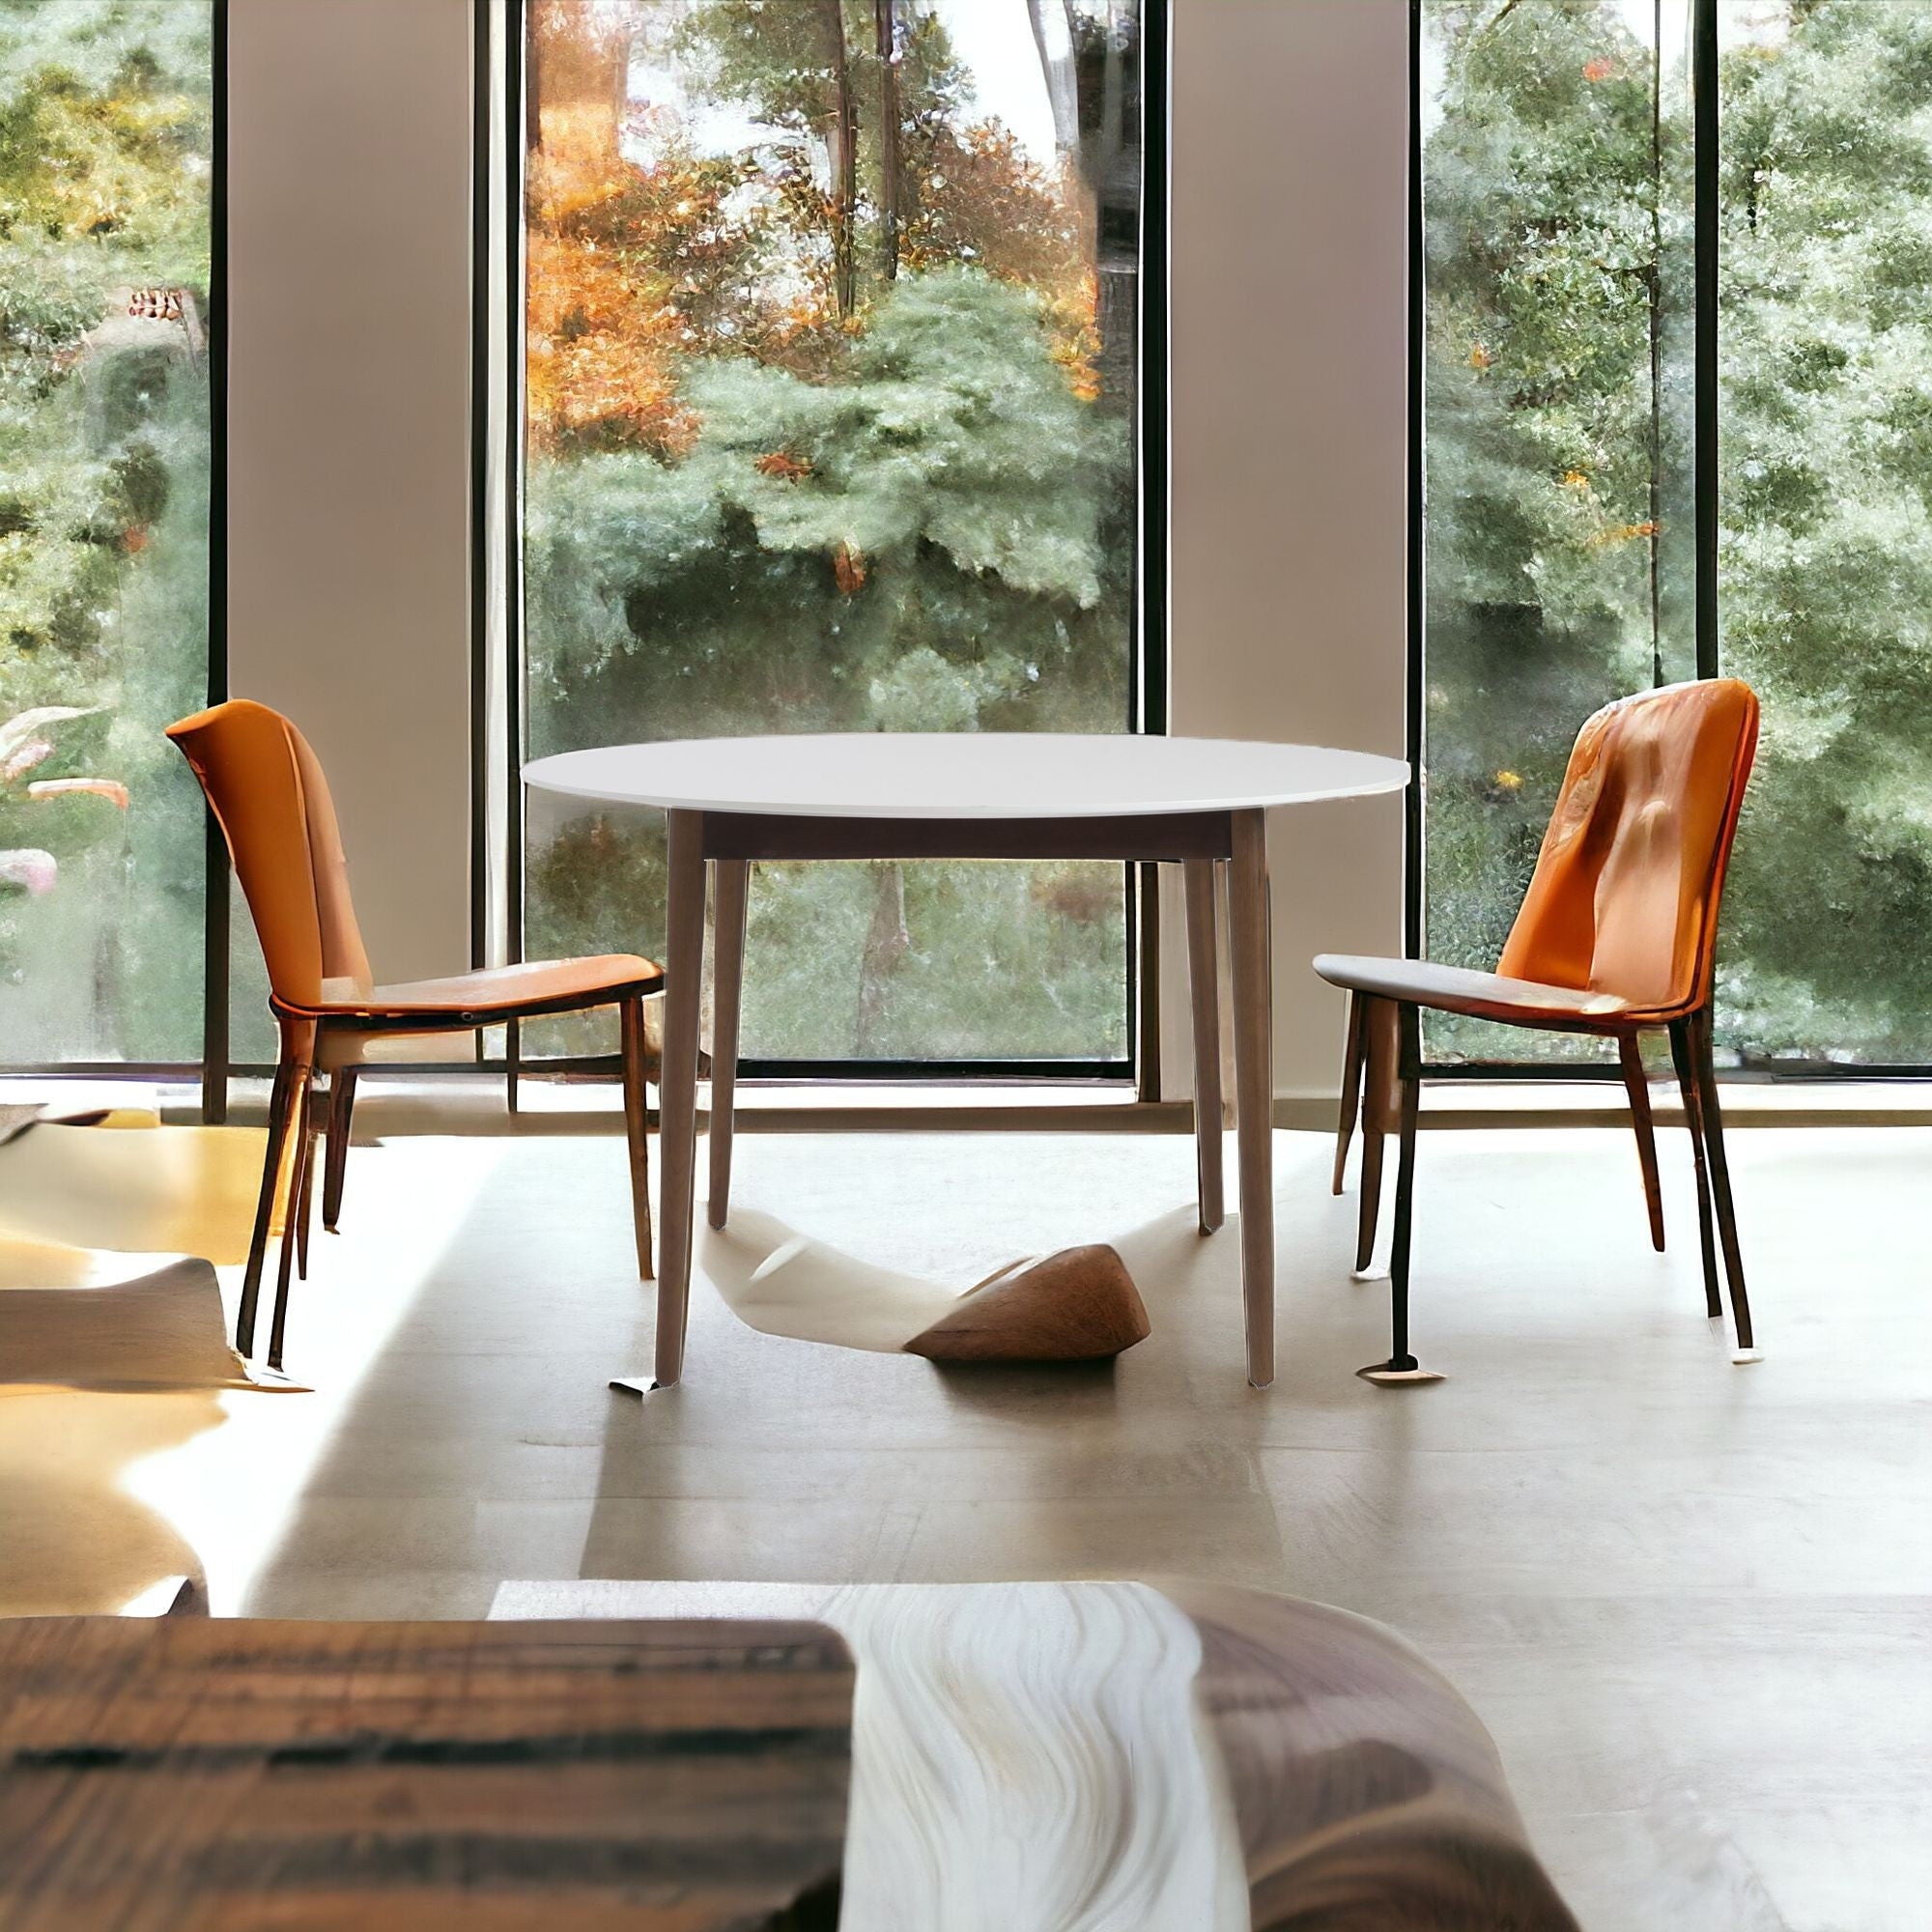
column 601, row 330
column 782, row 464
column 985, row 201
column 1618, row 533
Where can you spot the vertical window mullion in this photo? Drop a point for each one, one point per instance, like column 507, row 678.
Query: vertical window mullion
column 1704, row 210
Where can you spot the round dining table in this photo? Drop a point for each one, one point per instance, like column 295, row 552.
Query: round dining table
column 1199, row 803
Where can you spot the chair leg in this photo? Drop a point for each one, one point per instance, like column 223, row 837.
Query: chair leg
column 1352, row 1090
column 631, row 1019
column 1684, row 1058
column 296, row 1046
column 335, row 1163
column 1639, row 1089
column 513, row 1066
column 1382, row 1107
column 294, row 1244
column 304, row 1196
column 1402, row 1366
column 1720, row 1182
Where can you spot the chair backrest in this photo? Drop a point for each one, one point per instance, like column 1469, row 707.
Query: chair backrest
column 267, row 790
column 1625, row 895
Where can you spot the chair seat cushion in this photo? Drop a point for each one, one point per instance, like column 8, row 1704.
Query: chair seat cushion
column 1490, row 995
column 500, row 990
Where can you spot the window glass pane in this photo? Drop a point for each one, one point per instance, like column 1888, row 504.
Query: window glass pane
column 1825, row 345
column 1559, row 563
column 105, row 153
column 831, row 325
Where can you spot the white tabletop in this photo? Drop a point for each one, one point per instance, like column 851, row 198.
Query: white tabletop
column 964, row 774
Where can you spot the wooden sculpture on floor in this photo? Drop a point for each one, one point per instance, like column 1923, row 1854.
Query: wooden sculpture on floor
column 1078, row 1305
column 1616, row 936
column 268, row 792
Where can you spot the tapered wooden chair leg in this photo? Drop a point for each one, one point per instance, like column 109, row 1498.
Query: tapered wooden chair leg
column 335, row 1163
column 289, row 1136
column 636, row 1131
column 1721, row 1184
column 293, row 1243
column 1352, row 1090
column 1639, row 1089
column 292, row 1055
column 1402, row 1365
column 1368, row 1210
column 1380, row 1111
column 1683, row 1058
column 304, row 1198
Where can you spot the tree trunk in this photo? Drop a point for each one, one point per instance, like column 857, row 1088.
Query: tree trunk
column 886, row 945
column 1112, row 89
column 1059, row 76
column 1102, row 69
column 841, row 146
column 533, row 81
column 888, row 139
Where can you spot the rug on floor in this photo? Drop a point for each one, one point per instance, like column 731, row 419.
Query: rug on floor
column 152, row 1190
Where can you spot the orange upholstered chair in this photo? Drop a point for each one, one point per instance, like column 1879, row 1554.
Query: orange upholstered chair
column 1617, row 933
column 272, row 802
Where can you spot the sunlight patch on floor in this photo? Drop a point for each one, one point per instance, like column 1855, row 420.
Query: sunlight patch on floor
column 224, row 1489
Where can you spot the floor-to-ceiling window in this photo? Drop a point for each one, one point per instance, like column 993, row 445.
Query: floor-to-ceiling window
column 1824, row 336
column 107, row 177
column 1558, row 516
column 831, row 321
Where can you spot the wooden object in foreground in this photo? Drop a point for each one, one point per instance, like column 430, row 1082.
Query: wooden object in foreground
column 673, row 1776
column 1079, row 1305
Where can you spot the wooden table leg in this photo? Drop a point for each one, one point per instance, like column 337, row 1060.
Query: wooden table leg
column 1204, row 993
column 1254, row 1083
column 677, row 1091
column 728, row 965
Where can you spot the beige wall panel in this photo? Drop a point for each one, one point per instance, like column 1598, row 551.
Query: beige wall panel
column 349, row 400
column 1291, row 206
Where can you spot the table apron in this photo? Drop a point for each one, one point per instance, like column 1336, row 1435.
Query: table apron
column 1148, row 837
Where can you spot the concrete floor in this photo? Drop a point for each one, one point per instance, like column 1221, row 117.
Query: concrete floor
column 1692, row 1601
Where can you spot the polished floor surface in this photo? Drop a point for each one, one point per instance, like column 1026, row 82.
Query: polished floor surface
column 1693, row 1601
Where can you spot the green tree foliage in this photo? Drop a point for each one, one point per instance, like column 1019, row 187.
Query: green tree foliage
column 928, row 528
column 1559, row 564
column 1827, row 545
column 104, row 149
